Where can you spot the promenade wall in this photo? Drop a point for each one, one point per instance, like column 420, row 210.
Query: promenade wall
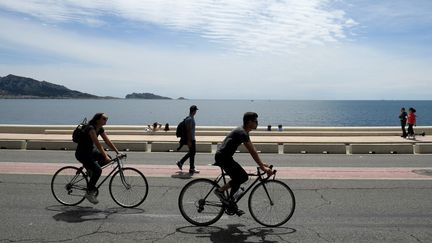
column 291, row 140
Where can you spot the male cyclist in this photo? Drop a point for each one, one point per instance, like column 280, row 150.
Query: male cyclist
column 224, row 157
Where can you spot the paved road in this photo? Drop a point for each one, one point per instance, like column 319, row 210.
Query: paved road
column 279, row 160
column 327, row 210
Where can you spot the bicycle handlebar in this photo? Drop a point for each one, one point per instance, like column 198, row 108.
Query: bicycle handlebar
column 119, row 156
column 259, row 173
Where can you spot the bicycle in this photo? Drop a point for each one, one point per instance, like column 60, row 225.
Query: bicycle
column 128, row 187
column 271, row 202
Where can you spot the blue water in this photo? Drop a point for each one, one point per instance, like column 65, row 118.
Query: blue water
column 213, row 112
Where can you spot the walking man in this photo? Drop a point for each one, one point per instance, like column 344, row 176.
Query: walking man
column 190, row 141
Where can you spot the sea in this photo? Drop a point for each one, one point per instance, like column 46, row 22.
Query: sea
column 291, row 113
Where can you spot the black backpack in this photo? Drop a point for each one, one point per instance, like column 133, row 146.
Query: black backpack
column 181, row 133
column 79, row 132
column 181, row 129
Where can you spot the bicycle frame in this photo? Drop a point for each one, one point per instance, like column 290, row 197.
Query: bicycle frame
column 118, row 166
column 259, row 178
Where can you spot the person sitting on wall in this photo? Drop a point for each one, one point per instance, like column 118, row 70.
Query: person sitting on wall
column 154, row 127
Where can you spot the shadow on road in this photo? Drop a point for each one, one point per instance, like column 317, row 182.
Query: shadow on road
column 182, row 175
column 235, row 234
column 77, row 214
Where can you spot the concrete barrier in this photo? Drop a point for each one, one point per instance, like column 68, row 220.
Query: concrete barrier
column 69, row 145
column 423, row 148
column 382, row 149
column 260, row 147
column 171, row 147
column 220, row 130
column 50, row 145
column 129, row 146
column 315, row 148
column 13, row 144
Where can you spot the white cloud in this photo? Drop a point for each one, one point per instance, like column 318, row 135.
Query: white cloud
column 242, row 25
column 104, row 66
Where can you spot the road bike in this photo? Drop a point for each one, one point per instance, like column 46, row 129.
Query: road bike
column 271, row 202
column 128, row 187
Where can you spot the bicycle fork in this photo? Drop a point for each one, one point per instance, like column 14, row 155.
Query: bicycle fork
column 123, row 180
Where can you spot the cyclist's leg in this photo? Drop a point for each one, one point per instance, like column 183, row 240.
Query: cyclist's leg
column 238, row 176
column 90, row 163
column 95, row 166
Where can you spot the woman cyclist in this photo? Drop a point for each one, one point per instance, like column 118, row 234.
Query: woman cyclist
column 91, row 153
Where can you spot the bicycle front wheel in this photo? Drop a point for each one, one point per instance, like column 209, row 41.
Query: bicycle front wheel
column 198, row 204
column 271, row 203
column 69, row 185
column 128, row 187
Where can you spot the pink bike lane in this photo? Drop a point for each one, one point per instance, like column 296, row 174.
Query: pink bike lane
column 208, row 171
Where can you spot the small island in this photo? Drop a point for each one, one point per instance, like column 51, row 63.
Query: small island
column 148, row 96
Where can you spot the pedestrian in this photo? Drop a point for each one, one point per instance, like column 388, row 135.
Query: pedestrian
column 190, row 141
column 403, row 120
column 411, row 122
column 166, row 128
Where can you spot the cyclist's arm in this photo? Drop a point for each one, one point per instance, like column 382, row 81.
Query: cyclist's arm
column 95, row 140
column 109, row 143
column 251, row 148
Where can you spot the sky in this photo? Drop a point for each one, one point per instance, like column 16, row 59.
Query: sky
column 223, row 49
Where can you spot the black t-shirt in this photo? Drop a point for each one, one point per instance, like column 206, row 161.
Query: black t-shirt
column 232, row 141
column 86, row 144
column 403, row 116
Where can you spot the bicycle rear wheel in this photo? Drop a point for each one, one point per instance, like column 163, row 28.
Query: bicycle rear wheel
column 128, row 189
column 271, row 203
column 69, row 185
column 198, row 204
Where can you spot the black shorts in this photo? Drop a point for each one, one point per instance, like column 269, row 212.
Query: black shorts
column 89, row 157
column 232, row 168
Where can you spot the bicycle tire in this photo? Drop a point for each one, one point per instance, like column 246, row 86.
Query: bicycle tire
column 198, row 204
column 274, row 212
column 69, row 185
column 131, row 194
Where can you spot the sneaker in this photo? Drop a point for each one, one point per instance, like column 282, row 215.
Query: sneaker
column 194, row 171
column 179, row 165
column 221, row 196
column 239, row 212
column 91, row 197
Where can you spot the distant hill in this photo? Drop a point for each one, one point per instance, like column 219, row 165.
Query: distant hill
column 148, row 96
column 13, row 86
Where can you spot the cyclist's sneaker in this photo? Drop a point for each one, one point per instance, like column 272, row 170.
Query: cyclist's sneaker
column 179, row 165
column 91, row 196
column 239, row 212
column 194, row 171
column 221, row 196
